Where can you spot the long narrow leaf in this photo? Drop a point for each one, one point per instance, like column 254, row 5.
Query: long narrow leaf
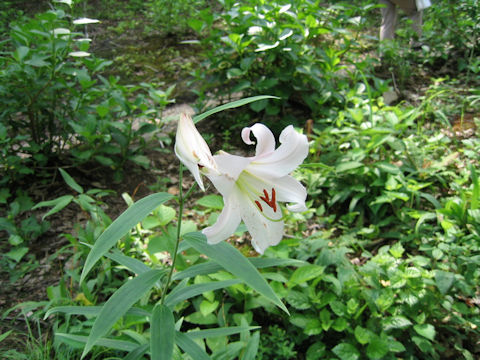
column 193, row 290
column 223, row 331
column 137, row 354
column 252, row 347
column 70, row 181
column 163, row 333
column 90, row 311
column 119, row 303
column 205, row 268
column 58, row 204
column 190, row 347
column 233, row 261
column 128, row 219
column 109, row 343
column 231, row 105
column 211, row 267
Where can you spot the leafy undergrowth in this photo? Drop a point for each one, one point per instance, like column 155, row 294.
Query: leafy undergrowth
column 386, row 258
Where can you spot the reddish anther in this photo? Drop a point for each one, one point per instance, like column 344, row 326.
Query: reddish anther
column 270, row 202
column 259, row 205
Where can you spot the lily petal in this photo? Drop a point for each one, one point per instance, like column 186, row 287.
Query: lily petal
column 286, row 158
column 265, row 139
column 287, row 189
column 264, row 232
column 227, row 221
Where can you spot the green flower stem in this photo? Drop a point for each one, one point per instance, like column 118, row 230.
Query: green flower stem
column 181, row 200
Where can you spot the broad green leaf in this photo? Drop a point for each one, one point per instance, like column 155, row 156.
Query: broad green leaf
column 17, row 253
column 208, row 307
column 305, row 273
column 231, row 105
column 348, row 165
column 362, row 335
column 211, row 201
column 395, row 322
column 118, row 304
column 184, row 293
column 190, row 347
column 444, row 280
column 128, row 219
column 426, row 330
column 58, row 204
column 162, row 329
column 233, row 261
column 70, row 182
column 377, row 348
column 346, row 351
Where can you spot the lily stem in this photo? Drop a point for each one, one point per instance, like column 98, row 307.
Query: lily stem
column 181, row 201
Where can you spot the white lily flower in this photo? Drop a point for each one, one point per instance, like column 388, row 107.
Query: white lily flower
column 252, row 187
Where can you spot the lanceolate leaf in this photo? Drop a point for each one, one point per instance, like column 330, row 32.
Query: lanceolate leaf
column 163, row 333
column 234, row 262
column 128, row 219
column 190, row 347
column 119, row 303
column 231, row 105
column 193, row 290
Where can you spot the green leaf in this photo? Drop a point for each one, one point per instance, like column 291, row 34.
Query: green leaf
column 165, row 214
column 128, row 219
column 212, row 201
column 20, row 53
column 252, row 347
column 162, row 328
column 377, row 348
column 362, row 335
column 118, row 304
column 223, row 331
column 5, row 335
column 190, row 347
column 346, row 351
column 58, row 204
column 90, row 311
column 208, row 307
column 348, row 165
column 231, row 105
column 137, row 354
column 426, row 330
column 444, row 280
column 305, row 273
column 233, row 261
column 108, row 343
column 17, row 254
column 184, row 293
column 396, row 322
column 70, row 182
